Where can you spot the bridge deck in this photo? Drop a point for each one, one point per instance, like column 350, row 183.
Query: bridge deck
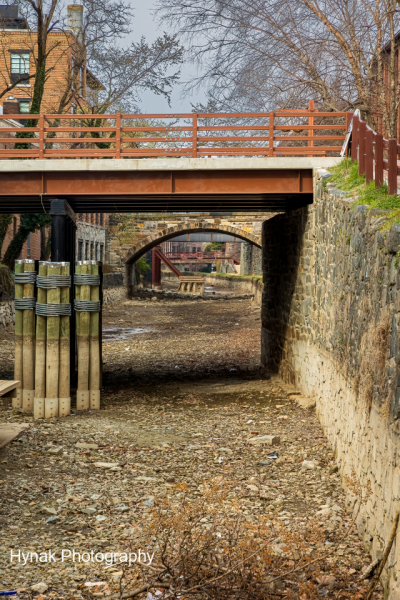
column 146, row 185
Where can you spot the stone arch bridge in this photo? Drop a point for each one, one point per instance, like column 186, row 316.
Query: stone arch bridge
column 127, row 243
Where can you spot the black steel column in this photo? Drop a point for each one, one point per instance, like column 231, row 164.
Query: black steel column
column 59, row 224
column 63, row 244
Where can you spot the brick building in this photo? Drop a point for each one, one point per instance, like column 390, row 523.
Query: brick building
column 18, row 48
column 17, row 51
column 90, row 238
column 31, row 248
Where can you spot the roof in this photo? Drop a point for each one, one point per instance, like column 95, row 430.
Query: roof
column 93, row 82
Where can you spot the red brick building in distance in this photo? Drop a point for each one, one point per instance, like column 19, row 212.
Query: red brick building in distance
column 17, row 52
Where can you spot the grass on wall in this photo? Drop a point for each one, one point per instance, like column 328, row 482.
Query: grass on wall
column 346, row 176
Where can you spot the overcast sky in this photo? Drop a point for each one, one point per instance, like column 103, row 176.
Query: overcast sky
column 144, row 24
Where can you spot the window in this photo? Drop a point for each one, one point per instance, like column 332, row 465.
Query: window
column 80, row 249
column 19, row 65
column 97, row 252
column 102, row 219
column 91, row 251
column 24, row 107
column 87, row 257
column 101, row 252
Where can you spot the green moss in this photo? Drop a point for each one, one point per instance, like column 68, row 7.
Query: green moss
column 234, row 276
column 346, row 176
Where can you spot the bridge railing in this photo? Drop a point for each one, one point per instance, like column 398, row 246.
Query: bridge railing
column 193, row 135
column 377, row 156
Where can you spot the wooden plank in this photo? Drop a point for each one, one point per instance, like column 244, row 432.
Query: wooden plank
column 7, row 386
column 10, row 431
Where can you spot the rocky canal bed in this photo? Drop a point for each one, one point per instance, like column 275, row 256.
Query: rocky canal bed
column 190, row 431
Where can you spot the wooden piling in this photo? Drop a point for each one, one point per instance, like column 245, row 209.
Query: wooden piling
column 64, row 384
column 28, row 350
column 40, row 366
column 94, row 337
column 82, row 337
column 19, row 293
column 52, row 348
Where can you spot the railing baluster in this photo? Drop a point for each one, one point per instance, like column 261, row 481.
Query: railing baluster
column 361, row 148
column 311, row 123
column 41, row 136
column 378, row 154
column 392, row 166
column 194, row 136
column 369, row 157
column 355, row 139
column 118, row 136
column 271, row 134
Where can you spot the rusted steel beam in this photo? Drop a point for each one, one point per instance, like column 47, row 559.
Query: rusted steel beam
column 114, row 183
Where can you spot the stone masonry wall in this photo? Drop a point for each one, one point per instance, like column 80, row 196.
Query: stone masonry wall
column 330, row 326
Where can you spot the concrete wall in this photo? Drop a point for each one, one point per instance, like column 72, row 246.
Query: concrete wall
column 235, row 283
column 330, row 322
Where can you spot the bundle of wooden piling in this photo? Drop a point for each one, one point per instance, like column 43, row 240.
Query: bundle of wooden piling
column 87, row 306
column 52, row 373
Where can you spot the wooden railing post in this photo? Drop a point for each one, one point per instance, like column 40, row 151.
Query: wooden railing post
column 378, row 154
column 361, row 147
column 271, row 134
column 194, row 136
column 354, row 139
column 311, row 123
column 392, row 166
column 118, row 136
column 41, row 136
column 369, row 156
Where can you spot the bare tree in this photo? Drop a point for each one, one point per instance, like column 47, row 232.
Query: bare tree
column 260, row 54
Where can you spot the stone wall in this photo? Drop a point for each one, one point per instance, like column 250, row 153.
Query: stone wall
column 114, row 289
column 250, row 259
column 6, row 314
column 6, row 298
column 330, row 322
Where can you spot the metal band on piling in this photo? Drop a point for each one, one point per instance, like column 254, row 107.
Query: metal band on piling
column 51, row 282
column 53, row 310
column 26, row 277
column 87, row 305
column 24, row 303
column 86, row 279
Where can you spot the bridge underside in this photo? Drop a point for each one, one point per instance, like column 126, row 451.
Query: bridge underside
column 197, row 190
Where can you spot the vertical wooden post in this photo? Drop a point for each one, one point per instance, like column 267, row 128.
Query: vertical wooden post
column 41, row 136
column 361, row 148
column 118, row 136
column 349, row 117
column 392, row 166
column 52, row 348
column 271, row 134
column 28, row 351
column 40, row 367
column 82, row 334
column 194, row 136
column 18, row 360
column 369, row 156
column 378, row 160
column 64, row 383
column 355, row 139
column 94, row 353
column 311, row 122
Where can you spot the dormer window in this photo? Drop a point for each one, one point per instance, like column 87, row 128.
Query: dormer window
column 19, row 65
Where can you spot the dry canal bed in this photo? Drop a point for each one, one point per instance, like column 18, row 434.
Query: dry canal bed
column 184, row 406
